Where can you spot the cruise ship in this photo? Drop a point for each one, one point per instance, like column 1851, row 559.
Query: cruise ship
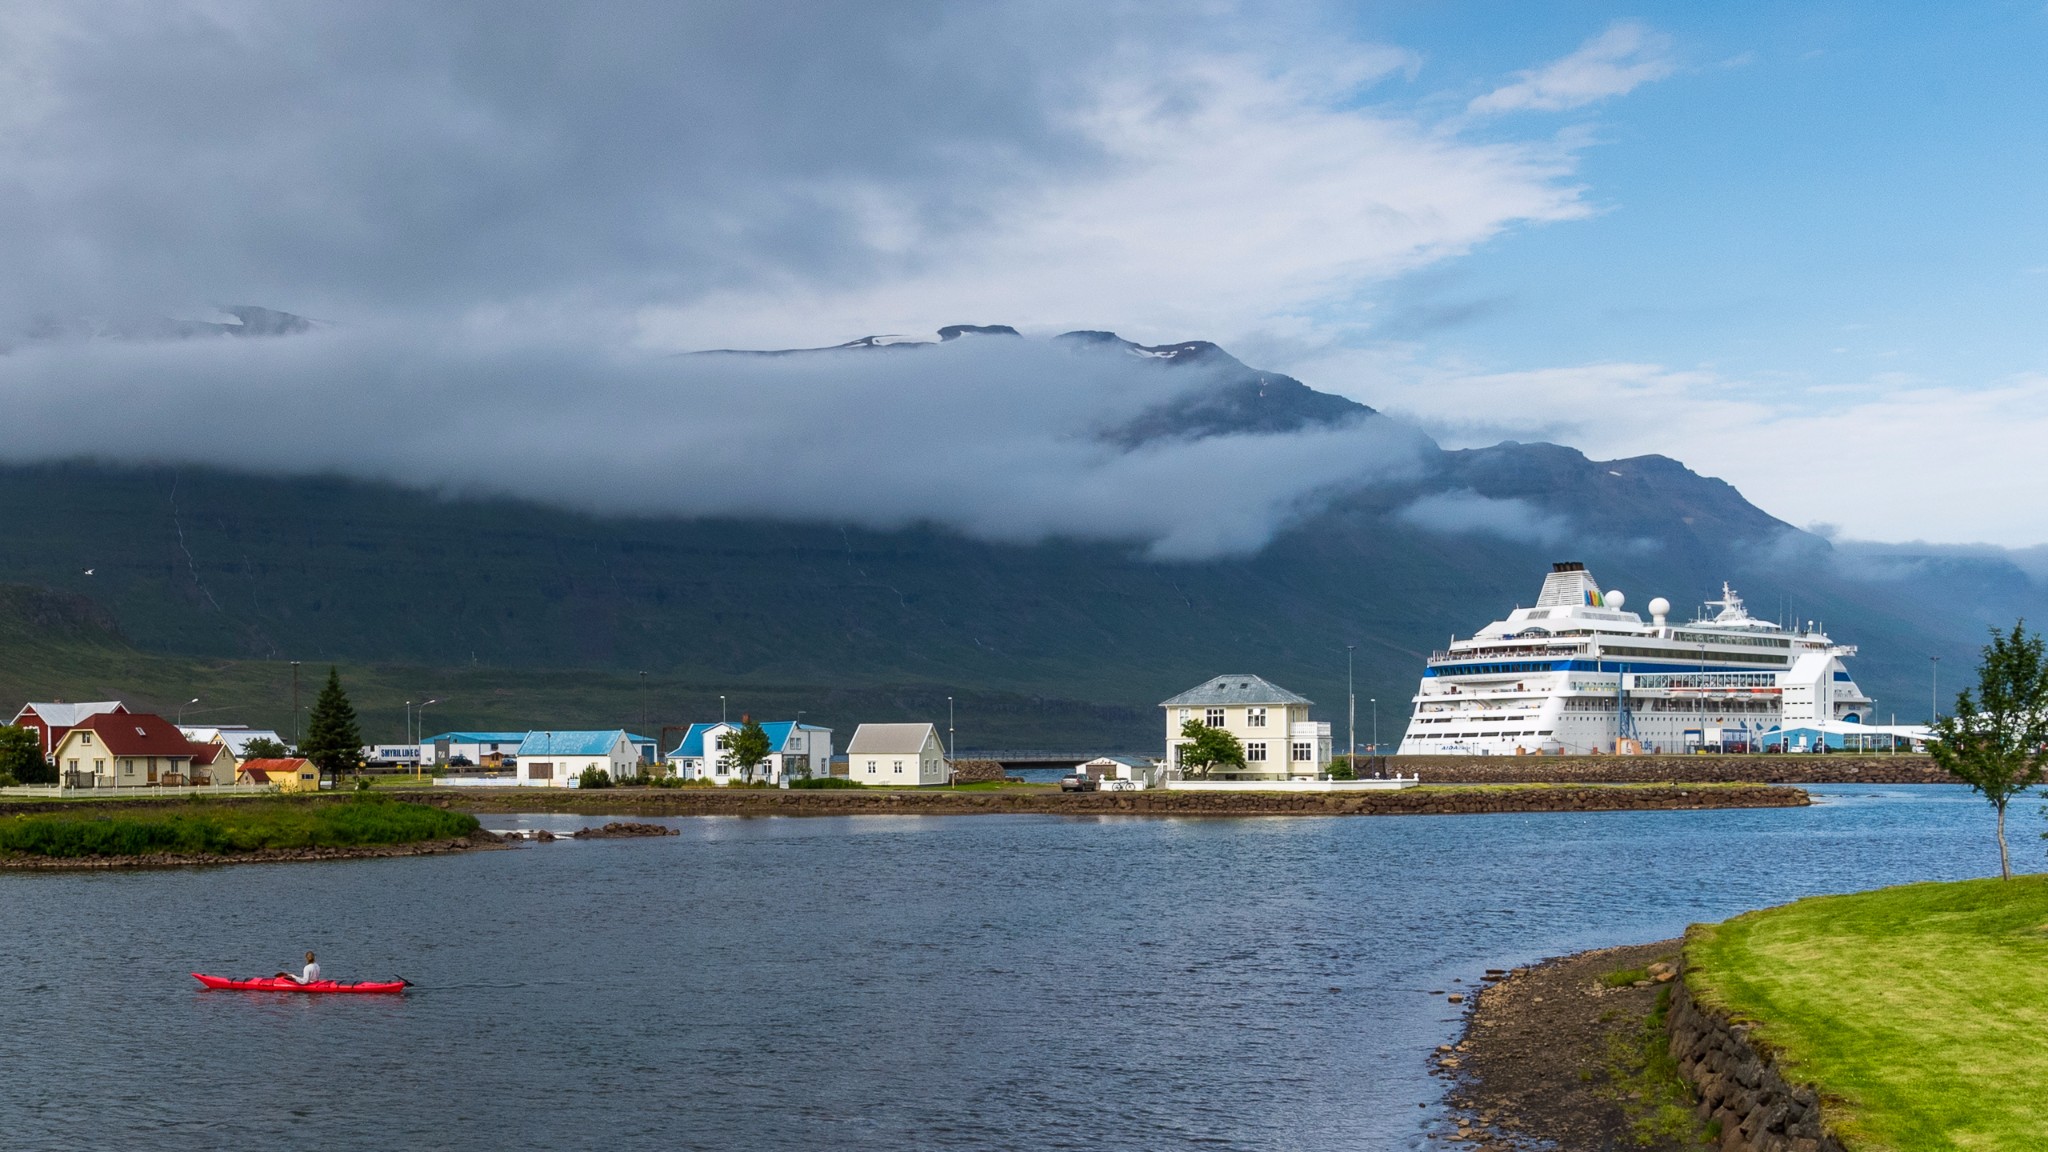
column 1579, row 673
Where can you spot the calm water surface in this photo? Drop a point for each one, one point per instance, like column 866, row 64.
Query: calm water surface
column 872, row 982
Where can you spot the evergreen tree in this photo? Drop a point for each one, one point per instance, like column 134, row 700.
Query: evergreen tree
column 1997, row 739
column 333, row 742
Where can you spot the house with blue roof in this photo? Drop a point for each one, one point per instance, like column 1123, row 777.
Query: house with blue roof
column 795, row 751
column 554, row 759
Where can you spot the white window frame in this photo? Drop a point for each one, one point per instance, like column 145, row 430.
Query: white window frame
column 1213, row 718
column 1255, row 752
column 1304, row 751
column 1255, row 717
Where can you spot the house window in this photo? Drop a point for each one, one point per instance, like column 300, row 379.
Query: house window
column 74, row 765
column 1184, row 714
column 99, row 767
column 1304, row 751
column 1255, row 752
column 1255, row 717
column 540, row 771
column 85, row 737
column 899, row 767
column 1215, row 718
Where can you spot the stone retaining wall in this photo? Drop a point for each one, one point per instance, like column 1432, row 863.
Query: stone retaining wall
column 1738, row 1083
column 848, row 802
column 1783, row 768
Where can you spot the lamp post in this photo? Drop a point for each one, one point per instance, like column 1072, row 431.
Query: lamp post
column 1375, row 726
column 721, row 709
column 295, row 705
column 181, row 710
column 1934, row 689
column 952, row 741
column 408, row 726
column 643, row 701
column 1351, row 712
column 420, row 714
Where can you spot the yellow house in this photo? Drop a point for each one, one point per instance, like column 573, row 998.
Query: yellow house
column 1271, row 723
column 286, row 773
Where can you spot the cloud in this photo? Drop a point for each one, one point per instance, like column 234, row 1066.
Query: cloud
column 1466, row 512
column 1882, row 458
column 997, row 438
column 1616, row 62
column 715, row 174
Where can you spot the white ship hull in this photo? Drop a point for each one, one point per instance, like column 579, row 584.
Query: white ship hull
column 1577, row 673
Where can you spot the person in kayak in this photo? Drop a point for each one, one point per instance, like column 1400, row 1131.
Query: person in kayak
column 311, row 974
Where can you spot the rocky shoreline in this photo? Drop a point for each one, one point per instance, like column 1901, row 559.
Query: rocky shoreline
column 479, row 840
column 1548, row 1052
column 851, row 802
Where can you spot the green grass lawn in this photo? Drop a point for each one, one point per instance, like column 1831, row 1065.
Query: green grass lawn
column 212, row 828
column 1921, row 1012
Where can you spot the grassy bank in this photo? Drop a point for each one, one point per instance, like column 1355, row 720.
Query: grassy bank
column 202, row 828
column 1917, row 1011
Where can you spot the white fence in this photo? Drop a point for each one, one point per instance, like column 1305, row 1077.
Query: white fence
column 1291, row 785
column 54, row 791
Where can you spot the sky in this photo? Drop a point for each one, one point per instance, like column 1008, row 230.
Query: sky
column 1799, row 247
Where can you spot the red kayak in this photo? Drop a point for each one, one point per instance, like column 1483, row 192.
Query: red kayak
column 287, row 984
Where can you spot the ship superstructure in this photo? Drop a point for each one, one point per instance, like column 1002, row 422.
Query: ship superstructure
column 1579, row 673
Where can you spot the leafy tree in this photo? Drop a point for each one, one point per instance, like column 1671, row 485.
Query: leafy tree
column 747, row 746
column 1997, row 740
column 1208, row 749
column 594, row 777
column 333, row 741
column 21, row 757
column 264, row 748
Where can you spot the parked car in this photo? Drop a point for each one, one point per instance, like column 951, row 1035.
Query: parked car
column 1079, row 783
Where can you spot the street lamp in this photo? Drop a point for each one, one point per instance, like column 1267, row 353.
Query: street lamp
column 1375, row 726
column 1351, row 712
column 721, row 709
column 952, row 742
column 182, row 707
column 420, row 716
column 295, row 705
column 643, row 701
column 1934, row 689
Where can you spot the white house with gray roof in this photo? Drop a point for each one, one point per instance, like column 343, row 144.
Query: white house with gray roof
column 1280, row 741
column 898, row 754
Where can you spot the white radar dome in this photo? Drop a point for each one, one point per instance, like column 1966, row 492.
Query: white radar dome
column 1660, row 607
column 1615, row 599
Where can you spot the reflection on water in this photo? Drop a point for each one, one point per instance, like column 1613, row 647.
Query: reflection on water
column 871, row 982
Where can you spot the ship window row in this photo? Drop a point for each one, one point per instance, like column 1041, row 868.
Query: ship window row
column 1667, row 654
column 1496, row 668
column 1751, row 641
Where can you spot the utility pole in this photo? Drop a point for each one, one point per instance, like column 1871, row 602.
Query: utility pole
column 295, row 705
column 1351, row 699
column 1934, row 689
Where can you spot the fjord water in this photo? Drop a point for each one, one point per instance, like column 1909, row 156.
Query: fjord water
column 873, row 982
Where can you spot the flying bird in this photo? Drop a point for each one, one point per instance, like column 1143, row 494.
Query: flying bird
column 88, row 571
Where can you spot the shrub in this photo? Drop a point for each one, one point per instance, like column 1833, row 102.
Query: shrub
column 824, row 782
column 594, row 778
column 215, row 828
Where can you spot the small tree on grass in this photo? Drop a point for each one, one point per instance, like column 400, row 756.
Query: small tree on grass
column 1208, row 749
column 333, row 741
column 21, row 757
column 1996, row 741
column 747, row 745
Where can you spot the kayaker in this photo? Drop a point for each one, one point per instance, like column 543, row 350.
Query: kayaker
column 308, row 976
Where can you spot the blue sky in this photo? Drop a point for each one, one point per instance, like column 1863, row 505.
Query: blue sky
column 1815, row 192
